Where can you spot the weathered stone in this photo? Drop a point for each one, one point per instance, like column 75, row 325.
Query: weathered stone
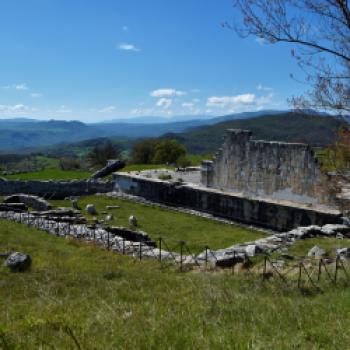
column 75, row 204
column 333, row 229
column 316, row 251
column 263, row 213
column 253, row 249
column 108, row 169
column 109, row 217
column 18, row 262
column 132, row 220
column 90, row 209
column 343, row 252
column 110, row 207
column 35, row 202
column 276, row 170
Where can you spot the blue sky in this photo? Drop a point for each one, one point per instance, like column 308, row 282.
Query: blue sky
column 95, row 60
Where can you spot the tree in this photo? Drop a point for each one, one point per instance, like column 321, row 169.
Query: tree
column 168, row 151
column 144, row 151
column 155, row 151
column 99, row 155
column 337, row 155
column 321, row 31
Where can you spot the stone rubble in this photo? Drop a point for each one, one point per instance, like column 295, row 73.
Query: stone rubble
column 18, row 262
column 139, row 244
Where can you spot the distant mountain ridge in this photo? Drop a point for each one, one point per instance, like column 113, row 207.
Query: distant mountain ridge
column 23, row 133
column 316, row 130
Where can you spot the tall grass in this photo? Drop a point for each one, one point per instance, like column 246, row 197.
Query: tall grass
column 78, row 296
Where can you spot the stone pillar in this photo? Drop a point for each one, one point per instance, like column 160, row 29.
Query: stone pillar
column 207, row 173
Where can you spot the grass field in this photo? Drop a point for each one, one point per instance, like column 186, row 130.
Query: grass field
column 170, row 225
column 81, row 297
column 51, row 174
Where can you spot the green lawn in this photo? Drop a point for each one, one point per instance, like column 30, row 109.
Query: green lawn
column 140, row 167
column 170, row 225
column 81, row 297
column 51, row 174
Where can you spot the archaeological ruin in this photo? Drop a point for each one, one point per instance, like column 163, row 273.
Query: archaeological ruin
column 275, row 170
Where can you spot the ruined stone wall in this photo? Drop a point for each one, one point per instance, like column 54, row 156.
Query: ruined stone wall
column 54, row 189
column 277, row 170
column 263, row 213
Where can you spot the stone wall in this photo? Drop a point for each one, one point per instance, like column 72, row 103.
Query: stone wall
column 263, row 213
column 277, row 170
column 54, row 189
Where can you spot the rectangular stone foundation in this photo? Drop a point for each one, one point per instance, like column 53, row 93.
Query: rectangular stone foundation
column 263, row 213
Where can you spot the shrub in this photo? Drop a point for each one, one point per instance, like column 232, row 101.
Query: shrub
column 164, row 177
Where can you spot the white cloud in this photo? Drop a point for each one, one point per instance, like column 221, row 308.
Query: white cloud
column 14, row 109
column 261, row 87
column 107, row 109
column 36, row 94
column 21, row 86
column 231, row 101
column 240, row 103
column 128, row 47
column 142, row 111
column 63, row 109
column 167, row 92
column 164, row 102
column 188, row 105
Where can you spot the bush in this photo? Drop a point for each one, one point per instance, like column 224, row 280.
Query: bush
column 157, row 152
column 69, row 163
column 183, row 162
column 164, row 177
column 168, row 152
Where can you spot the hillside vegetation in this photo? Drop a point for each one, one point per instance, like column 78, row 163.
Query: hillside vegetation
column 316, row 130
column 78, row 296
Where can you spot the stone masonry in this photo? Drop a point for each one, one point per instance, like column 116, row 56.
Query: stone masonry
column 276, row 170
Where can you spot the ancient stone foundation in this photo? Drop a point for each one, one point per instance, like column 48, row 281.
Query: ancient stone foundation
column 275, row 170
column 264, row 213
column 55, row 189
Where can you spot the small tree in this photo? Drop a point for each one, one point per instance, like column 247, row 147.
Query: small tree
column 168, row 151
column 144, row 151
column 99, row 155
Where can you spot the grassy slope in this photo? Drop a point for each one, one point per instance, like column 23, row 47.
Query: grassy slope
column 50, row 174
column 170, row 225
column 292, row 127
column 76, row 293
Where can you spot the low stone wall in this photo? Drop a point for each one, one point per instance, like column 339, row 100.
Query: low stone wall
column 263, row 213
column 54, row 189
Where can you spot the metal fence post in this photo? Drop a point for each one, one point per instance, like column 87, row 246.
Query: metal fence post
column 299, row 277
column 265, row 267
column 181, row 253
column 206, row 256
column 319, row 270
column 160, row 249
column 233, row 262
column 336, row 270
column 140, row 251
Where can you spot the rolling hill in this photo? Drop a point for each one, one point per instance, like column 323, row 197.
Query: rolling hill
column 24, row 133
column 316, row 130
